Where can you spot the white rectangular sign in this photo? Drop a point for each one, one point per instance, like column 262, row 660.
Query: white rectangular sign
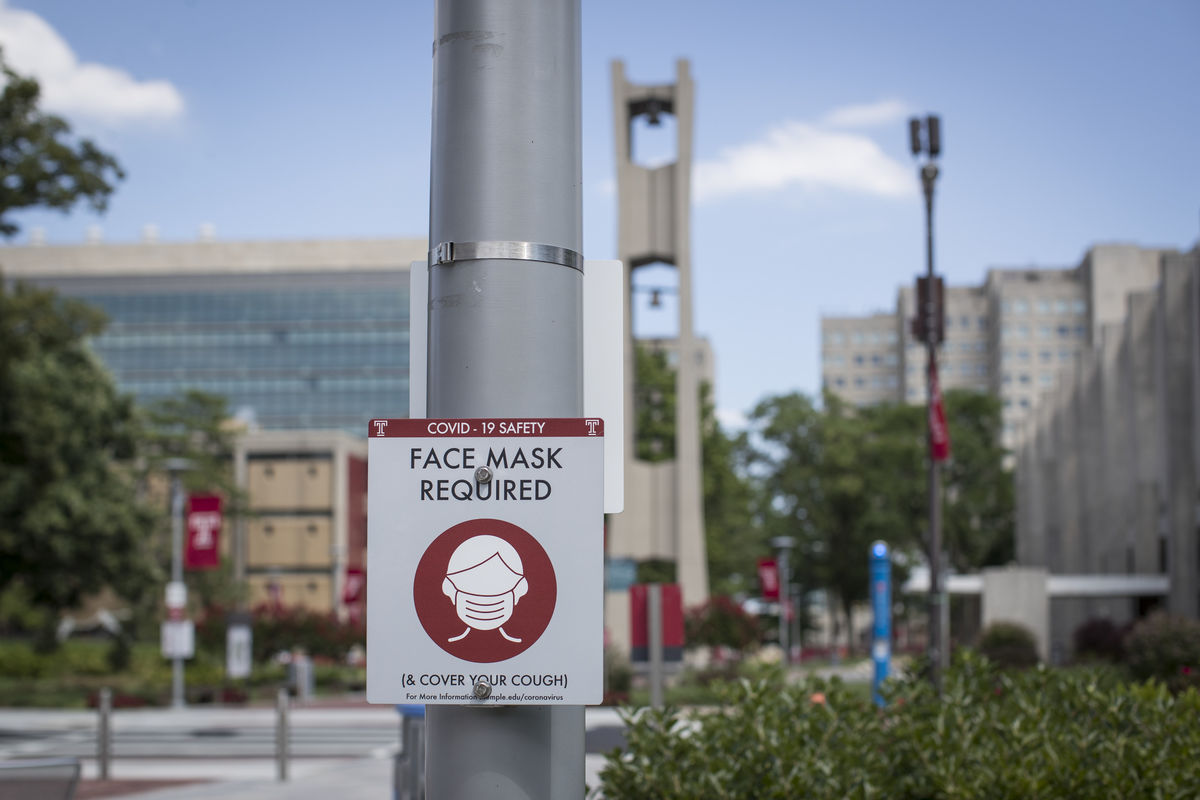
column 178, row 638
column 486, row 556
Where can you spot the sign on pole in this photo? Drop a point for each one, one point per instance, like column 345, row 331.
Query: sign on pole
column 487, row 561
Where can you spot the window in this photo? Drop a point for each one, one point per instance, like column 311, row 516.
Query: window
column 1043, row 306
column 1079, row 307
column 1081, row 331
column 836, row 338
column 964, row 322
column 1046, row 379
column 983, row 323
column 1065, row 355
column 1064, row 331
column 859, row 382
column 856, row 337
column 859, row 360
column 1023, row 355
column 1045, row 331
column 1024, row 378
column 1020, row 307
column 1062, row 307
column 1046, row 356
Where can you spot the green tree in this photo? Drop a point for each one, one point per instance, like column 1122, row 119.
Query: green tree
column 195, row 426
column 41, row 166
column 838, row 478
column 70, row 520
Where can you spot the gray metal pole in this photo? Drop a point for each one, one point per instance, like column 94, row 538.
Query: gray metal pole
column 505, row 320
column 104, row 734
column 928, row 176
column 654, row 612
column 282, row 734
column 177, row 693
column 784, row 545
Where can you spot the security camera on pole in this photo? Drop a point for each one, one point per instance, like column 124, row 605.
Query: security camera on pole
column 925, row 138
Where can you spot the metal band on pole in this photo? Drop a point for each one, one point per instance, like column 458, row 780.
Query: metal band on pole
column 449, row 252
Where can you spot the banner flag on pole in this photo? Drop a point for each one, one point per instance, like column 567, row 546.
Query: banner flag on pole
column 203, row 532
column 939, row 431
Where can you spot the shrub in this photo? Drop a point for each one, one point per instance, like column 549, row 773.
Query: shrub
column 1167, row 649
column 1099, row 638
column 275, row 629
column 992, row 734
column 720, row 622
column 1009, row 644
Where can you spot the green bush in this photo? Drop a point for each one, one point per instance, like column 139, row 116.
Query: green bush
column 17, row 660
column 993, row 734
column 1009, row 645
column 277, row 629
column 1167, row 649
column 720, row 622
column 1099, row 639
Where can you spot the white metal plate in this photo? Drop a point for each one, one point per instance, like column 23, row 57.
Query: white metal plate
column 499, row 581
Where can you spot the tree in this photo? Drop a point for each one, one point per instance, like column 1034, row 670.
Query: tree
column 40, row 164
column 70, row 520
column 194, row 426
column 838, row 478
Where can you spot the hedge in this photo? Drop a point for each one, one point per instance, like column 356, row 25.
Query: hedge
column 1036, row 733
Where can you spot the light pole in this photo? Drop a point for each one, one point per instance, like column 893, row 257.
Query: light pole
column 925, row 138
column 784, row 544
column 176, row 589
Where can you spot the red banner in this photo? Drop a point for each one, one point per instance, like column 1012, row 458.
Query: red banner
column 939, row 431
column 203, row 532
column 672, row 621
column 352, row 590
column 768, row 578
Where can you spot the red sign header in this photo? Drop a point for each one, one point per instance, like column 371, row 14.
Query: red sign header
column 449, row 428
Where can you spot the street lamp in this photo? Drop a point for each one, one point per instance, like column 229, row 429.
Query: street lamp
column 925, row 138
column 177, row 590
column 784, row 544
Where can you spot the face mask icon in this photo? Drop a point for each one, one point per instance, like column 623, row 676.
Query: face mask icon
column 485, row 580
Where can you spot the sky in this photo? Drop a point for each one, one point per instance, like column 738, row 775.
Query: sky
column 1065, row 125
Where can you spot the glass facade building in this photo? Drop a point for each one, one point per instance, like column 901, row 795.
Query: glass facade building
column 290, row 349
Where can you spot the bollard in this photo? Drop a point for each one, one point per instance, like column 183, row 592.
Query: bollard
column 104, row 734
column 281, row 734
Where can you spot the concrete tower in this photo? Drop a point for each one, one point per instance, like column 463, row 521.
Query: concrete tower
column 664, row 516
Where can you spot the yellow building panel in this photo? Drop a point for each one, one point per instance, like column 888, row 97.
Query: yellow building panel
column 314, row 592
column 287, row 483
column 289, row 541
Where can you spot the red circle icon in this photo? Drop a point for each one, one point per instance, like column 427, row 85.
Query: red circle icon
column 485, row 590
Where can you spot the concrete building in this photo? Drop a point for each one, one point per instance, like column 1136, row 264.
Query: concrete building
column 307, row 494
column 1014, row 335
column 296, row 334
column 1107, row 467
column 664, row 514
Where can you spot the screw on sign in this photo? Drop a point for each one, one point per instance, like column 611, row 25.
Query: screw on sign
column 485, row 590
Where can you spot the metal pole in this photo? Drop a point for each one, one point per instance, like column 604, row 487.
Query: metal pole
column 784, row 544
column 505, row 319
column 282, row 734
column 104, row 734
column 928, row 175
column 654, row 612
column 177, row 691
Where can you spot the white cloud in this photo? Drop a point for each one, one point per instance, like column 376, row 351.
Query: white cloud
column 97, row 91
column 811, row 156
column 869, row 115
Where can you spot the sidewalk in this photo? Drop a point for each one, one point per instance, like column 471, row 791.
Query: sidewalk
column 355, row 779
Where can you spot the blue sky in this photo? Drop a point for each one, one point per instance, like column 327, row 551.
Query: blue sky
column 1066, row 124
